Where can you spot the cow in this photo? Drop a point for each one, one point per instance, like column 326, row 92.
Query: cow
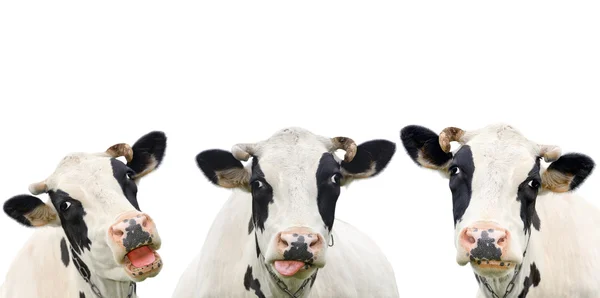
column 517, row 219
column 276, row 233
column 106, row 243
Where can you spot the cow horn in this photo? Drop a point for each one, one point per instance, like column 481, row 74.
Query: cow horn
column 242, row 151
column 549, row 153
column 450, row 134
column 119, row 150
column 346, row 144
column 38, row 188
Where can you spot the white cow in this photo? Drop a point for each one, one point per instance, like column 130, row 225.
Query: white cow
column 516, row 220
column 106, row 243
column 273, row 236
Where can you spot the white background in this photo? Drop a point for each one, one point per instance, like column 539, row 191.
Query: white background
column 81, row 76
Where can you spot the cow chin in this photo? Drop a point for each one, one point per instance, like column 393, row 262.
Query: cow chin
column 489, row 268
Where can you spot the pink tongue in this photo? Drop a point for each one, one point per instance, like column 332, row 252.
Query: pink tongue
column 288, row 268
column 141, row 257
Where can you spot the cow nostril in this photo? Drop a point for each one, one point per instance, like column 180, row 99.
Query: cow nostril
column 118, row 233
column 501, row 240
column 471, row 239
column 145, row 222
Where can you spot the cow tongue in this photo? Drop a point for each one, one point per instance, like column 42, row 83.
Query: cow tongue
column 141, row 256
column 288, row 268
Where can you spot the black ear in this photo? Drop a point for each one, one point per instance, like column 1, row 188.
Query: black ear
column 148, row 153
column 370, row 159
column 568, row 172
column 422, row 145
column 222, row 169
column 30, row 211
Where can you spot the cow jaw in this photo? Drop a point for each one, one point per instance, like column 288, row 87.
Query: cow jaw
column 141, row 263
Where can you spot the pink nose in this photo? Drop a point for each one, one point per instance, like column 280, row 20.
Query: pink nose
column 485, row 241
column 299, row 244
column 133, row 230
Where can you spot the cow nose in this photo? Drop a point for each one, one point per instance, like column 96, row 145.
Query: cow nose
column 299, row 244
column 485, row 241
column 133, row 230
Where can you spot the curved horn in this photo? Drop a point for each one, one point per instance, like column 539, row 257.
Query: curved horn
column 346, row 144
column 242, row 151
column 549, row 153
column 450, row 134
column 38, row 188
column 121, row 149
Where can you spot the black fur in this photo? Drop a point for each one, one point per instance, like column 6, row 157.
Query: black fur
column 150, row 145
column 460, row 184
column 64, row 252
column 578, row 165
column 123, row 174
column 486, row 249
column 17, row 206
column 81, row 295
column 135, row 236
column 72, row 220
column 261, row 197
column 379, row 152
column 250, row 225
column 328, row 191
column 210, row 161
column 298, row 251
column 420, row 139
column 533, row 279
column 527, row 196
column 251, row 283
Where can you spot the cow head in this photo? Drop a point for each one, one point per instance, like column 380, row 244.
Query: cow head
column 93, row 198
column 294, row 178
column 495, row 177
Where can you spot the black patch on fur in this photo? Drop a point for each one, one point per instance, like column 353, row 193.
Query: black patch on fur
column 250, row 226
column 261, row 197
column 148, row 147
column 298, row 251
column 257, row 247
column 578, row 165
column 420, row 139
column 486, row 249
column 81, row 295
column 379, row 152
column 527, row 196
column 64, row 252
column 460, row 184
column 17, row 206
column 135, row 237
column 328, row 191
column 252, row 283
column 211, row 161
column 123, row 174
column 533, row 279
column 72, row 220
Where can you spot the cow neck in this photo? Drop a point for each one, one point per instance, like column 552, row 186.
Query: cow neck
column 508, row 286
column 100, row 287
column 278, row 287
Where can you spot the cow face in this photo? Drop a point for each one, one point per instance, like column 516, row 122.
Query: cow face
column 93, row 198
column 495, row 178
column 294, row 178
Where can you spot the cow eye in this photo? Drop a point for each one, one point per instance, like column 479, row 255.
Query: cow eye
column 64, row 206
column 257, row 184
column 130, row 174
column 454, row 170
column 534, row 184
column 335, row 179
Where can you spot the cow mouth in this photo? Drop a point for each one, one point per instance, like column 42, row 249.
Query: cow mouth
column 142, row 262
column 493, row 268
column 290, row 268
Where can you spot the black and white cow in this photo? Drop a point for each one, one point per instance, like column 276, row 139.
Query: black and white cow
column 106, row 243
column 272, row 237
column 516, row 220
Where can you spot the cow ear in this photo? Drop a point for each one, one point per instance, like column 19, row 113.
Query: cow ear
column 370, row 159
column 223, row 169
column 31, row 211
column 567, row 173
column 148, row 153
column 423, row 147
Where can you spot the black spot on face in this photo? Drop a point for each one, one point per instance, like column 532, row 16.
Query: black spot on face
column 64, row 252
column 527, row 195
column 486, row 249
column 123, row 175
column 71, row 219
column 460, row 183
column 81, row 295
column 298, row 251
column 251, row 283
column 135, row 237
column 250, row 226
column 262, row 196
column 328, row 191
column 533, row 279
